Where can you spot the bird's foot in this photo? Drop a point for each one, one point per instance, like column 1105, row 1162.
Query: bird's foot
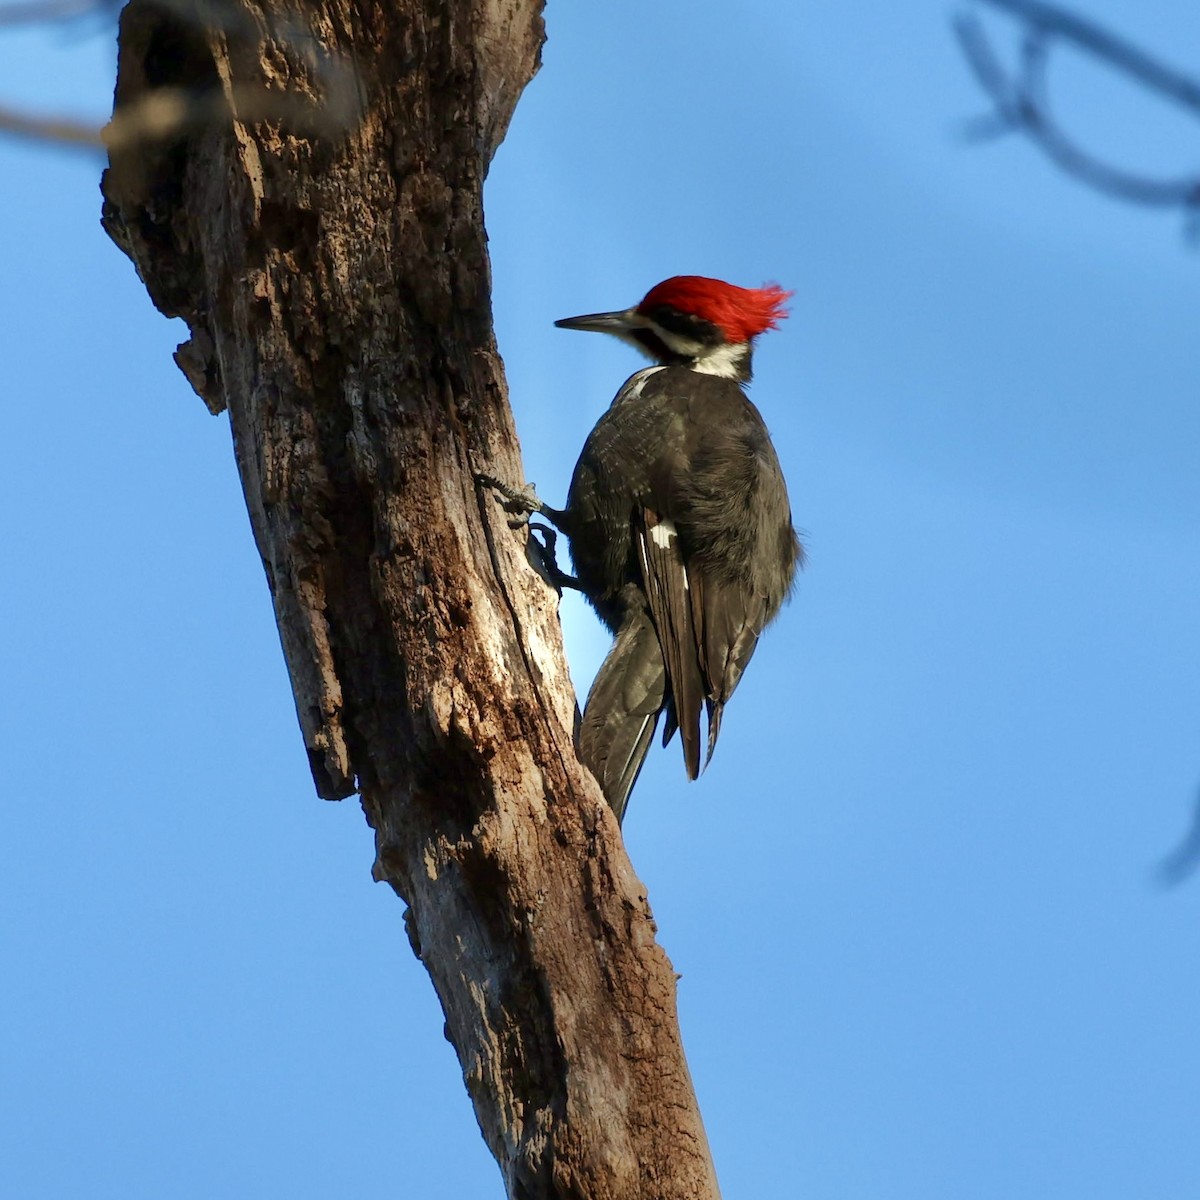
column 547, row 565
column 519, row 502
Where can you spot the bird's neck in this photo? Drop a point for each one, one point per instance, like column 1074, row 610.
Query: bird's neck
column 729, row 360
column 726, row 360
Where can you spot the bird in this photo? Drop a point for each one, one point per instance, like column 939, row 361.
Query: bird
column 679, row 524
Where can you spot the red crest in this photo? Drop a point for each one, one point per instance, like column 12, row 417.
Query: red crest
column 740, row 313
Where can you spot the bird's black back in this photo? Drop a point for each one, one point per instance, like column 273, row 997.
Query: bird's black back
column 678, row 507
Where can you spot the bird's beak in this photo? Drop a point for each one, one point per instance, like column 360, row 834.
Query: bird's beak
column 610, row 322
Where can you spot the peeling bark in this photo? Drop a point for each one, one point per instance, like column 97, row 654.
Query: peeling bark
column 336, row 285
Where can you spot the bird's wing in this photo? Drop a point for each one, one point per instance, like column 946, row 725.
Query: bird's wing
column 707, row 627
column 668, row 586
column 727, row 618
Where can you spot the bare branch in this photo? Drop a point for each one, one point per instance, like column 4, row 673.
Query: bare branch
column 1051, row 20
column 174, row 112
column 340, row 313
column 62, row 130
column 989, row 74
column 1022, row 103
column 49, row 12
column 331, row 108
column 1182, row 862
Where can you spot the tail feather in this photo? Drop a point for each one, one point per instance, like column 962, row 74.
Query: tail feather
column 622, row 709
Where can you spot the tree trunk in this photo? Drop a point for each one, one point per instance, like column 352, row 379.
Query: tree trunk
column 314, row 213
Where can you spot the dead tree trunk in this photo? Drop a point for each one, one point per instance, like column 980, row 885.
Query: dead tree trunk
column 336, row 284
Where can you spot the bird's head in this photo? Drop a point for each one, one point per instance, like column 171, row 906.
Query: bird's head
column 694, row 321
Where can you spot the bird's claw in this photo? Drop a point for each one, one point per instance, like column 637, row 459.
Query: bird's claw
column 519, row 502
column 547, row 552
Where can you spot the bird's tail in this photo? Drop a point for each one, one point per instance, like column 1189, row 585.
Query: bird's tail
column 622, row 709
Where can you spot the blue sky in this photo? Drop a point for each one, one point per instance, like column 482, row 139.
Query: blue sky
column 911, row 903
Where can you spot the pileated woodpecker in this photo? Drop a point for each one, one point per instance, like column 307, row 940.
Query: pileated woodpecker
column 678, row 518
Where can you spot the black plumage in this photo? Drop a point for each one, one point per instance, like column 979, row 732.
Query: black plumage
column 679, row 521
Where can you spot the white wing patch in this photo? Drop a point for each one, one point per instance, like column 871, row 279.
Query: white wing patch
column 662, row 533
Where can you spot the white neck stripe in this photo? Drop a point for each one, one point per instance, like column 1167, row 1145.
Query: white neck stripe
column 727, row 361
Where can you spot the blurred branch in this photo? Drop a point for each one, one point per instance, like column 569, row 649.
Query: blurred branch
column 1049, row 19
column 50, row 129
column 50, row 12
column 1185, row 858
column 1021, row 102
column 333, row 106
column 174, row 112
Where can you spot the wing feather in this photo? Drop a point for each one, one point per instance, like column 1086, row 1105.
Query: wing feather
column 665, row 577
column 731, row 620
column 708, row 629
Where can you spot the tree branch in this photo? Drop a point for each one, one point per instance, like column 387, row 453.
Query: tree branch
column 1021, row 97
column 330, row 106
column 336, row 286
column 50, row 12
column 1050, row 20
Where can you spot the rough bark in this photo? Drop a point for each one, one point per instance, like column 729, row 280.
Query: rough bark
column 336, row 285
